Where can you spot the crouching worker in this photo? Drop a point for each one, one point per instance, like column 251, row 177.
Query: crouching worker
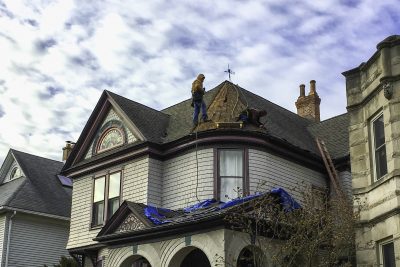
column 252, row 116
column 197, row 100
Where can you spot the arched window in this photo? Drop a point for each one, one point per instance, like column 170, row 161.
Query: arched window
column 251, row 256
column 111, row 138
column 15, row 173
column 136, row 261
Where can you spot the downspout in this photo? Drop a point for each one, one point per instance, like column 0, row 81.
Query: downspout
column 9, row 237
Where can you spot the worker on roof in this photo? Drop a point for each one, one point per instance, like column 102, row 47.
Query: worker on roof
column 197, row 100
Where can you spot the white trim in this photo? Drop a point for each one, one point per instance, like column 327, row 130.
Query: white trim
column 373, row 148
column 380, row 249
column 6, row 208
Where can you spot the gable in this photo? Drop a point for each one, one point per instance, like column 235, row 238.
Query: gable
column 10, row 169
column 112, row 121
column 131, row 223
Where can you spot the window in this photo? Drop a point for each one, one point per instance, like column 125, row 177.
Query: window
column 378, row 146
column 230, row 184
column 15, row 173
column 387, row 256
column 106, row 197
column 110, row 139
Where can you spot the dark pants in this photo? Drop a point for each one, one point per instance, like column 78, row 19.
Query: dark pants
column 197, row 106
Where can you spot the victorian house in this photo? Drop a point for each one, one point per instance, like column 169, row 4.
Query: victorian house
column 137, row 172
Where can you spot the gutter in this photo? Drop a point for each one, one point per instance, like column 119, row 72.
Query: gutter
column 9, row 237
column 6, row 208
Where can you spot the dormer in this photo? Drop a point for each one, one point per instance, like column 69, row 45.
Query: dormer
column 10, row 169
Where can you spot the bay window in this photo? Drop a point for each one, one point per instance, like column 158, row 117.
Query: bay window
column 106, row 197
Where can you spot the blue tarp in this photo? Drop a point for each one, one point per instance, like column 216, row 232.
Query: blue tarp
column 287, row 201
column 204, row 204
column 157, row 215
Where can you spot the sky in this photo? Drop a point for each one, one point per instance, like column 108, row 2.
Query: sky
column 56, row 57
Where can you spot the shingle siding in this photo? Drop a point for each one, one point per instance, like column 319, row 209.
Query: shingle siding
column 155, row 182
column 36, row 241
column 179, row 179
column 3, row 220
column 267, row 171
column 135, row 182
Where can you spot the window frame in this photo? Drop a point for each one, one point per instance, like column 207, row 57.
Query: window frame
column 374, row 149
column 245, row 171
column 380, row 249
column 106, row 175
column 104, row 134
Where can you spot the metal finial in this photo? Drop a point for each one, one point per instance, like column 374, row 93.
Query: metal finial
column 229, row 71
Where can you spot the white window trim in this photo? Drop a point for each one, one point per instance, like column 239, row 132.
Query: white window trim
column 373, row 150
column 380, row 249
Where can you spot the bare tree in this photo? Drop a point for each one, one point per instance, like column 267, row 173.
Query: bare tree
column 320, row 233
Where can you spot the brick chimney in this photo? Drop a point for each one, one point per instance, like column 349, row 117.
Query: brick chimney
column 67, row 150
column 308, row 106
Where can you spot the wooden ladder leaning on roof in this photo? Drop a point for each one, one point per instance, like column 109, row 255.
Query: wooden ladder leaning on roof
column 330, row 167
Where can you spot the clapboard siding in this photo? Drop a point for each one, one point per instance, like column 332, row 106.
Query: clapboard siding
column 267, row 171
column 80, row 235
column 180, row 178
column 134, row 188
column 3, row 220
column 37, row 241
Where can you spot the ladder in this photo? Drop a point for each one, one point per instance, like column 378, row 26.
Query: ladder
column 329, row 167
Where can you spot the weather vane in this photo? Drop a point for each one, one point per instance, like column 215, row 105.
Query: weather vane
column 229, row 71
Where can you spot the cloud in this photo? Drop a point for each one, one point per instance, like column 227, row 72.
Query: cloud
column 58, row 56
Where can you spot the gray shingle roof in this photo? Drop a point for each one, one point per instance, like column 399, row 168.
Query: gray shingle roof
column 151, row 123
column 41, row 190
column 335, row 133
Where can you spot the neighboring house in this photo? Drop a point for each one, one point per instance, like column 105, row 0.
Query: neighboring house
column 131, row 160
column 373, row 99
column 34, row 211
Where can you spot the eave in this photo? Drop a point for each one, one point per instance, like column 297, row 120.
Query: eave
column 204, row 139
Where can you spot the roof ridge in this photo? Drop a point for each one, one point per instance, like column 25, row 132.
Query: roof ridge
column 327, row 120
column 219, row 86
column 22, row 152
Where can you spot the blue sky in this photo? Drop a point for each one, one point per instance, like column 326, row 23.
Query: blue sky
column 58, row 56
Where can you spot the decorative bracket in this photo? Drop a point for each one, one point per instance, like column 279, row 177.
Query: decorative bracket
column 387, row 90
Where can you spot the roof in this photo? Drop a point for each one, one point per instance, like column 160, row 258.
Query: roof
column 334, row 132
column 150, row 122
column 280, row 123
column 40, row 190
column 154, row 219
column 224, row 104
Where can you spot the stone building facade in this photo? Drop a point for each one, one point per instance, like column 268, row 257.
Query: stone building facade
column 373, row 103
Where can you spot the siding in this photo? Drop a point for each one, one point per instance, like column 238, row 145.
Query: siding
column 346, row 183
column 80, row 235
column 155, row 182
column 179, row 179
column 3, row 220
column 37, row 241
column 135, row 182
column 134, row 188
column 267, row 171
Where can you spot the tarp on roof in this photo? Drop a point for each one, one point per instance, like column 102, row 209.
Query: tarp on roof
column 160, row 215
